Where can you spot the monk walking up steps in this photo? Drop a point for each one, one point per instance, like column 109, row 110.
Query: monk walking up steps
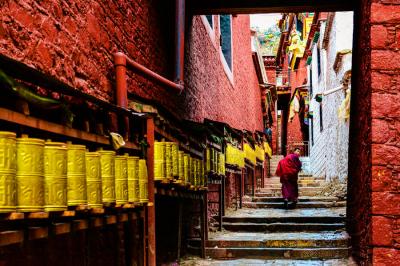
column 288, row 170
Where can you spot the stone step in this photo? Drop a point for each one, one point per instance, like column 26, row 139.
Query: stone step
column 275, row 188
column 286, row 219
column 277, row 193
column 272, row 262
column 271, row 253
column 278, row 240
column 282, row 227
column 301, row 199
column 301, row 184
column 309, row 204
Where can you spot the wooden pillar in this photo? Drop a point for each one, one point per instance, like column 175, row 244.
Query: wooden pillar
column 151, row 216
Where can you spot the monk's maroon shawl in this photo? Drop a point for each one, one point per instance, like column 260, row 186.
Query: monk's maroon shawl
column 287, row 170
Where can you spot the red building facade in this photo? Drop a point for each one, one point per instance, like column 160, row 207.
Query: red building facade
column 74, row 42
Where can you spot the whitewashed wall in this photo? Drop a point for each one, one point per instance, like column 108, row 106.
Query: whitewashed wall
column 329, row 152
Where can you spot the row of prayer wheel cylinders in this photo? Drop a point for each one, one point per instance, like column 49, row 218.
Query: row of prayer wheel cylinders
column 171, row 163
column 215, row 161
column 50, row 176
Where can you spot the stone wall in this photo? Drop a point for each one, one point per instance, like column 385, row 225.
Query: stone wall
column 74, row 41
column 385, row 128
column 329, row 150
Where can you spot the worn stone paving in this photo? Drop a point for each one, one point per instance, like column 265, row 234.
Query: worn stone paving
column 192, row 261
column 312, row 212
column 226, row 235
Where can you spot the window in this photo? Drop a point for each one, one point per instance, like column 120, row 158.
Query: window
column 321, row 126
column 319, row 61
column 225, row 23
column 210, row 20
column 299, row 27
column 311, row 81
column 312, row 131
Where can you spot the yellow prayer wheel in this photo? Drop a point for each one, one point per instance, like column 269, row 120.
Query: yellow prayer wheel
column 186, row 168
column 211, row 156
column 168, row 159
column 198, row 173
column 8, row 169
column 175, row 159
column 133, row 179
column 159, row 160
column 208, row 160
column 30, row 174
column 181, row 166
column 121, row 179
column 107, row 164
column 190, row 181
column 215, row 162
column 93, row 180
column 222, row 163
column 143, row 181
column 194, row 180
column 76, row 175
column 203, row 176
column 55, row 176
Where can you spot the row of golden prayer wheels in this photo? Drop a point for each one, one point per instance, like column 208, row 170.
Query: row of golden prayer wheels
column 38, row 175
column 170, row 162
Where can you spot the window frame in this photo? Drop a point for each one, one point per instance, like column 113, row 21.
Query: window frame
column 228, row 69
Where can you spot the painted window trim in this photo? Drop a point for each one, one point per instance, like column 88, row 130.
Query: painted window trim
column 210, row 30
column 228, row 71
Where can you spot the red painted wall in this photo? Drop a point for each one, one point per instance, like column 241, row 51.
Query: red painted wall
column 296, row 79
column 210, row 91
column 74, row 41
column 385, row 128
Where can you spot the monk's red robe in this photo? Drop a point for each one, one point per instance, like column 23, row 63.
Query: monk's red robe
column 288, row 169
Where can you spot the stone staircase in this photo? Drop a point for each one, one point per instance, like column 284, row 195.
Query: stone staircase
column 263, row 229
column 308, row 186
column 273, row 162
column 300, row 234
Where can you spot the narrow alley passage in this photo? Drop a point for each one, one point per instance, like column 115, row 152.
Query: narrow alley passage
column 212, row 132
column 263, row 232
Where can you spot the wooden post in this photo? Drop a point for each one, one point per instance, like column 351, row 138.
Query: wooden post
column 151, row 215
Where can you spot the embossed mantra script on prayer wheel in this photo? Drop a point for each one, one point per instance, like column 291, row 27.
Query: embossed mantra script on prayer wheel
column 133, row 179
column 76, row 175
column 8, row 169
column 168, row 159
column 181, row 166
column 159, row 160
column 93, row 180
column 30, row 174
column 107, row 161
column 143, row 181
column 121, row 179
column 186, row 168
column 175, row 159
column 55, row 176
